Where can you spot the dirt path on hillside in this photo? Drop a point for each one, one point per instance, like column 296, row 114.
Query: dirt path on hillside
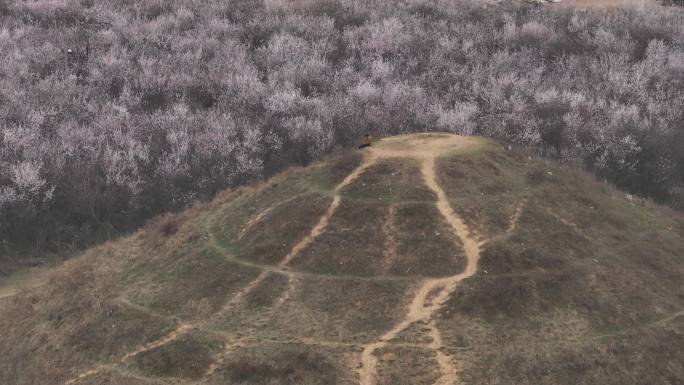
column 237, row 297
column 425, row 303
column 448, row 371
column 258, row 218
column 368, row 161
column 254, row 220
column 180, row 331
column 317, row 230
column 512, row 225
column 391, row 246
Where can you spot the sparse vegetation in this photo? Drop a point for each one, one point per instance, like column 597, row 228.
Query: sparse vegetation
column 291, row 366
column 577, row 294
column 172, row 360
column 162, row 103
column 577, row 284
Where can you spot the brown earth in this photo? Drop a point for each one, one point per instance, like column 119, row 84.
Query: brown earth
column 429, row 258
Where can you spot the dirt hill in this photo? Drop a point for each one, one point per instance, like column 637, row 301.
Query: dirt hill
column 425, row 259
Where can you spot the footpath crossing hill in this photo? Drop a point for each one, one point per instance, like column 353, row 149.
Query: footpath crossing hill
column 423, row 259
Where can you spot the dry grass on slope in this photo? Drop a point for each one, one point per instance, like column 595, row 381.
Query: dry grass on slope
column 579, row 292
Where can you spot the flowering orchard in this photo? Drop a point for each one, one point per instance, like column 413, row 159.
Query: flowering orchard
column 161, row 103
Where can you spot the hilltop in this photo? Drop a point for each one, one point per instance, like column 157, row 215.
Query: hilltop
column 428, row 259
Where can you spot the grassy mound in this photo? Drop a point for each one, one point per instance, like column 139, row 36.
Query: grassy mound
column 576, row 283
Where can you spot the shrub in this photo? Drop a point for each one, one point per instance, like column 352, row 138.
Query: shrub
column 165, row 103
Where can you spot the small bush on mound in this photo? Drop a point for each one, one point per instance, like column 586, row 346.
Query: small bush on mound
column 160, row 105
column 166, row 225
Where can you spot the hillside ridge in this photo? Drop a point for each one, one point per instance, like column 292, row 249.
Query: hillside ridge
column 420, row 309
column 424, row 259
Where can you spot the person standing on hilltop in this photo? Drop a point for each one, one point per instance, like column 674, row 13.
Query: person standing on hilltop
column 369, row 141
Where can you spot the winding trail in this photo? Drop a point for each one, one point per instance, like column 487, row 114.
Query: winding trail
column 391, row 249
column 258, row 218
column 180, row 331
column 220, row 358
column 447, row 369
column 255, row 220
column 425, row 303
column 286, row 294
column 427, row 300
column 238, row 296
column 367, row 162
column 317, row 230
column 512, row 225
column 516, row 217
